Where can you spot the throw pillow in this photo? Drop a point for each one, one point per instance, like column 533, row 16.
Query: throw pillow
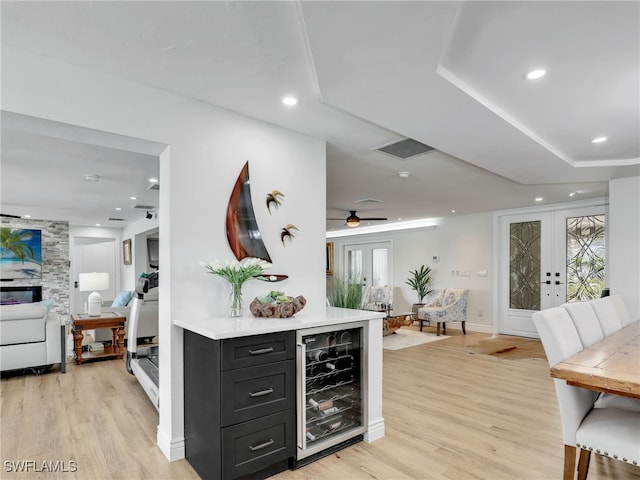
column 46, row 303
column 122, row 299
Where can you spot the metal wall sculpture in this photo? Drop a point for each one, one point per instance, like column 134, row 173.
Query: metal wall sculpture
column 243, row 233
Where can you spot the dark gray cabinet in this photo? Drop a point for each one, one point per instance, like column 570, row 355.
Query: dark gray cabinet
column 240, row 415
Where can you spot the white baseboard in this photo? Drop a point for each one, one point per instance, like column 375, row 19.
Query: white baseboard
column 173, row 449
column 375, row 431
column 470, row 327
column 475, row 327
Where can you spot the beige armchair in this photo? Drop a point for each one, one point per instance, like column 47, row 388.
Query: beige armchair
column 379, row 299
column 449, row 306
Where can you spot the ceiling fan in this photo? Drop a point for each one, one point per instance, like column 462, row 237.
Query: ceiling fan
column 353, row 220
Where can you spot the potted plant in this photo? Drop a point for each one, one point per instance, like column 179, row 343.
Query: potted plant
column 419, row 281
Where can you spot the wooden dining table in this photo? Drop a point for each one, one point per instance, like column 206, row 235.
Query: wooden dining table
column 611, row 365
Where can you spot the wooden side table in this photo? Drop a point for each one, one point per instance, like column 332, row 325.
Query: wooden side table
column 110, row 320
column 393, row 321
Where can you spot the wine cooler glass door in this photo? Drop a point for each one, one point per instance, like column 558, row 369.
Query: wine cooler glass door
column 330, row 386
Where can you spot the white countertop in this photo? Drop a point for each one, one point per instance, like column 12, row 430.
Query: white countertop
column 218, row 328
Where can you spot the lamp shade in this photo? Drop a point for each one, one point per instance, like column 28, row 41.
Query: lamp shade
column 90, row 282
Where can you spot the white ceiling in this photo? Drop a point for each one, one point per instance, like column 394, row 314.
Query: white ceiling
column 449, row 74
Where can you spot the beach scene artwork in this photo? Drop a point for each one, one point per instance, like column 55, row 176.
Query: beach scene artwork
column 20, row 253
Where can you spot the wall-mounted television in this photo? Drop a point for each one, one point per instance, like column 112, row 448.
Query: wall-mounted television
column 20, row 253
column 153, row 251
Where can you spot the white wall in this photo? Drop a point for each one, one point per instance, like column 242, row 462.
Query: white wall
column 624, row 241
column 206, row 148
column 463, row 245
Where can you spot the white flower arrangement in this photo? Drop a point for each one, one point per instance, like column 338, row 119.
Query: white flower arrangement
column 237, row 272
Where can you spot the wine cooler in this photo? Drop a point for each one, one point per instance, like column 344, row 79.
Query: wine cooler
column 331, row 388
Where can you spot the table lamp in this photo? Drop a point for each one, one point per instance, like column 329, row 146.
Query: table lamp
column 91, row 282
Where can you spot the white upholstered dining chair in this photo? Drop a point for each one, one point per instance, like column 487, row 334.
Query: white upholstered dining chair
column 607, row 315
column 621, row 309
column 612, row 432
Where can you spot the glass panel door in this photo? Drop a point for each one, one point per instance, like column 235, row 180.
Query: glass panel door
column 369, row 262
column 547, row 259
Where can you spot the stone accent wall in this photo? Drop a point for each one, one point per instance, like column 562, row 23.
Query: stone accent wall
column 55, row 261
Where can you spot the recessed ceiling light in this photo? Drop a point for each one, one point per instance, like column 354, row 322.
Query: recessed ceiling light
column 538, row 199
column 26, row 216
column 599, row 140
column 133, row 198
column 572, row 194
column 403, row 174
column 118, row 208
column 153, row 180
column 535, row 74
column 97, row 224
column 90, row 177
column 290, row 101
column 453, row 211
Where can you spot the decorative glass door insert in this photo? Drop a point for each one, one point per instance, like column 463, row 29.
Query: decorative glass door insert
column 524, row 265
column 586, row 256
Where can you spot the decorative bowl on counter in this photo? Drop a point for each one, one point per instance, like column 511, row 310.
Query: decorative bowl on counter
column 277, row 306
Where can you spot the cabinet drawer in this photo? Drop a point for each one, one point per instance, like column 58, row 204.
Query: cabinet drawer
column 248, row 393
column 258, row 349
column 257, row 444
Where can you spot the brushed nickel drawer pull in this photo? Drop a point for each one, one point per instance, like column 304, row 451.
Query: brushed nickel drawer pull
column 261, row 393
column 261, row 351
column 262, row 445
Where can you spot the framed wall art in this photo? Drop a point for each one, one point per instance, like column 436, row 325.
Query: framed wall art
column 329, row 259
column 126, row 251
column 20, row 253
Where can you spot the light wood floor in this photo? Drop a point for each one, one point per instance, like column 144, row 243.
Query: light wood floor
column 449, row 414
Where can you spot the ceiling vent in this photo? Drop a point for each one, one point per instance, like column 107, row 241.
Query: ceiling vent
column 404, row 149
column 144, row 207
column 153, row 186
column 112, row 219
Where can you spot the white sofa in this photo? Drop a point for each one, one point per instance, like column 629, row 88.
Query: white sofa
column 30, row 337
column 148, row 322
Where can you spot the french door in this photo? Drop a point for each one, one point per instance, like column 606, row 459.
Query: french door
column 369, row 262
column 547, row 259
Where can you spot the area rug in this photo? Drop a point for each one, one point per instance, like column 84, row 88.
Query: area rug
column 510, row 348
column 404, row 338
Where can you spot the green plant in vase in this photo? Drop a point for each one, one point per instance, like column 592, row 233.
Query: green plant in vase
column 236, row 273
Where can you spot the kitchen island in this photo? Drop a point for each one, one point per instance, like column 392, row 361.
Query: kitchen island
column 241, row 383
